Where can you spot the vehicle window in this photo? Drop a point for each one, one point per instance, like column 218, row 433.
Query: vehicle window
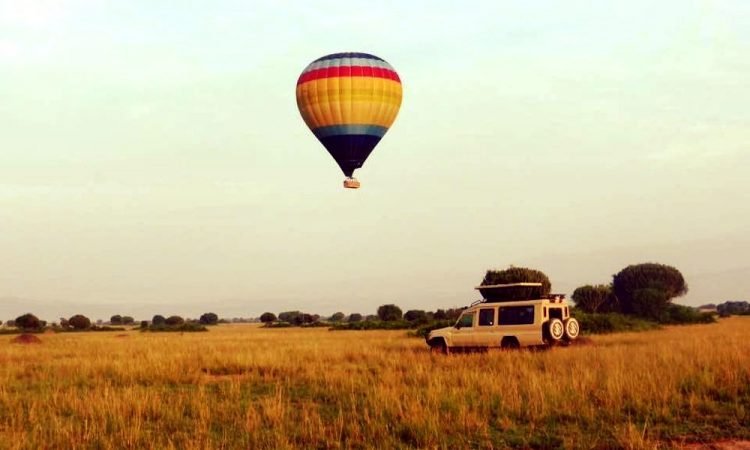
column 467, row 320
column 516, row 315
column 487, row 317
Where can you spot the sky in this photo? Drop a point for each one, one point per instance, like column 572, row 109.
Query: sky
column 152, row 158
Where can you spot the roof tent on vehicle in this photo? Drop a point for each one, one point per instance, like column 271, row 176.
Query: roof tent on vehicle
column 511, row 292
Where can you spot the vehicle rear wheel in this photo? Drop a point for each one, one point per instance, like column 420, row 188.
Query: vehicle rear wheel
column 509, row 343
column 555, row 331
column 572, row 329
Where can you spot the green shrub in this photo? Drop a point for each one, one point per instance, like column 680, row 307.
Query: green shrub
column 416, row 315
column 374, row 325
column 424, row 330
column 158, row 320
column 28, row 321
column 79, row 322
column 181, row 328
column 389, row 313
column 209, row 319
column 593, row 323
column 679, row 314
column 173, row 321
column 267, row 317
column 593, row 299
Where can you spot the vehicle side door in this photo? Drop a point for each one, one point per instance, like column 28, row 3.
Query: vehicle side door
column 486, row 334
column 521, row 322
column 463, row 334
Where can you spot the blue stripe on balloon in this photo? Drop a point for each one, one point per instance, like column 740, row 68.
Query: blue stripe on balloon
column 348, row 55
column 339, row 130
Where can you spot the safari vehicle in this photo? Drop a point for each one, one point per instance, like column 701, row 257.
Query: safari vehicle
column 495, row 323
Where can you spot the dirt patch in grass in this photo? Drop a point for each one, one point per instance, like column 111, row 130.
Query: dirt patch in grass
column 26, row 339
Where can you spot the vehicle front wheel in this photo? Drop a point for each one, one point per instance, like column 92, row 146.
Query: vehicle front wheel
column 572, row 329
column 439, row 346
column 554, row 331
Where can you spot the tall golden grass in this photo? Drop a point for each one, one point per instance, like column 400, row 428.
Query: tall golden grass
column 248, row 387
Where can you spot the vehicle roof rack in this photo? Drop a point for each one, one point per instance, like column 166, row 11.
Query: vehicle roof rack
column 500, row 286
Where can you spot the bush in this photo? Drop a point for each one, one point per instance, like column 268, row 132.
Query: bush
column 592, row 323
column 209, row 319
column 599, row 298
column 355, row 317
column 515, row 275
column 79, row 322
column 416, row 315
column 268, row 317
column 337, row 317
column 277, row 324
column 290, row 316
column 28, row 321
column 733, row 308
column 373, row 325
column 647, row 289
column 424, row 330
column 144, row 324
column 679, row 314
column 182, row 328
column 116, row 319
column 127, row 320
column 389, row 313
column 158, row 320
column 174, row 321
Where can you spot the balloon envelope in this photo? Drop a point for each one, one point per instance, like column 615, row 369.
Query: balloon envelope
column 349, row 100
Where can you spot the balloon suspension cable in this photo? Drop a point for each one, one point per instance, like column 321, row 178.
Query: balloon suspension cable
column 351, row 183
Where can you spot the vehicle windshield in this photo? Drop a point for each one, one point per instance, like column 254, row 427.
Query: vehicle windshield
column 466, row 320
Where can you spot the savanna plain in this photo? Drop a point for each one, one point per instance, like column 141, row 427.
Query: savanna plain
column 243, row 386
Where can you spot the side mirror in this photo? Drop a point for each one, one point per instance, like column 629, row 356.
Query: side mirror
column 458, row 325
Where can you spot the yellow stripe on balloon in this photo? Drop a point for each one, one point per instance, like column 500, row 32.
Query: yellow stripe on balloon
column 349, row 100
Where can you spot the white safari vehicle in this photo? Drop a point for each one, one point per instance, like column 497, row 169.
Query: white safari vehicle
column 508, row 324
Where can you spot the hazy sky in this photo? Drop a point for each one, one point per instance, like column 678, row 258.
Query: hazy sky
column 152, row 158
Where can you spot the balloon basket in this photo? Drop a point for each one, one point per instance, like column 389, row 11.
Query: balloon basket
column 351, row 183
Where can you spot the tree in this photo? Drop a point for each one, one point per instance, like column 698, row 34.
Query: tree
column 415, row 315
column 290, row 316
column 209, row 319
column 1, row 323
column 515, row 275
column 79, row 322
column 144, row 324
column 729, row 308
column 647, row 289
column 158, row 320
column 116, row 319
column 389, row 313
column 595, row 299
column 127, row 320
column 28, row 321
column 10, row 323
column 174, row 320
column 268, row 317
column 355, row 317
column 337, row 317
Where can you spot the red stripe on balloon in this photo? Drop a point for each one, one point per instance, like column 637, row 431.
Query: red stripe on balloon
column 348, row 71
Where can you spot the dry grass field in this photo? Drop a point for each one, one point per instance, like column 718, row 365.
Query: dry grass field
column 248, row 387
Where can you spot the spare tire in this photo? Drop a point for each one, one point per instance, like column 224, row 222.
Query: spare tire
column 572, row 329
column 555, row 330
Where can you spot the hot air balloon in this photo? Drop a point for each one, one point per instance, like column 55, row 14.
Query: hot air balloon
column 349, row 100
